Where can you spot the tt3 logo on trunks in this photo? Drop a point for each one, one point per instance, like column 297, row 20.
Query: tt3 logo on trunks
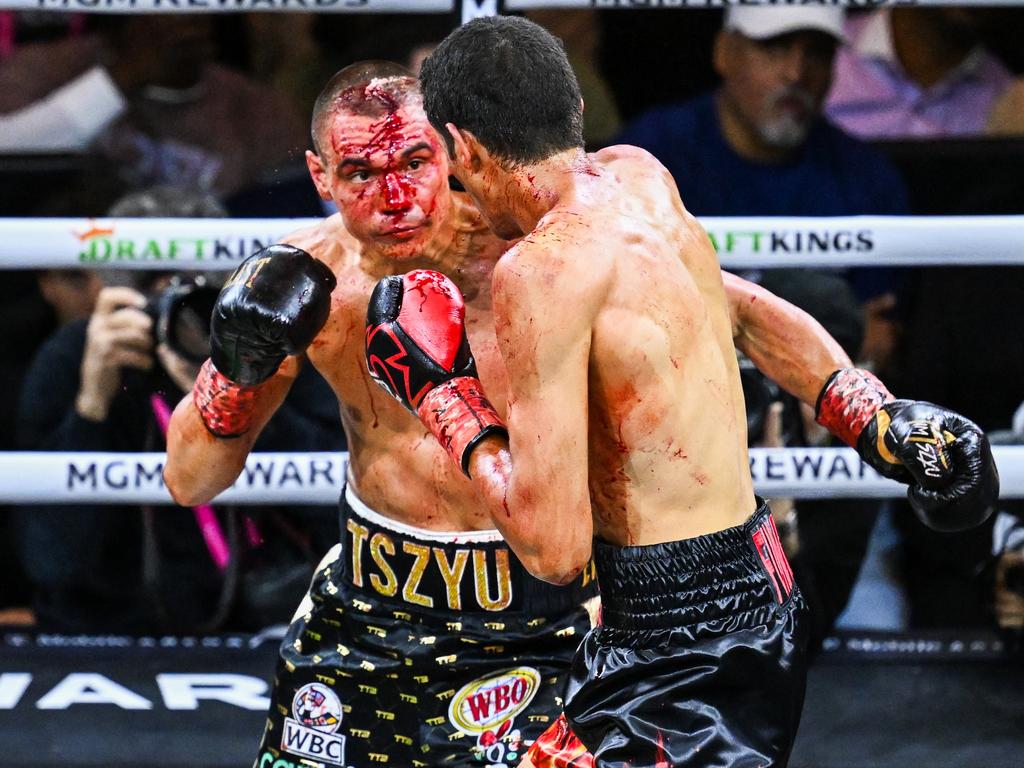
column 487, row 707
column 317, row 715
column 428, row 576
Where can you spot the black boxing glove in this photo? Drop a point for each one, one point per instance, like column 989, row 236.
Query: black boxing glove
column 417, row 350
column 272, row 306
column 945, row 458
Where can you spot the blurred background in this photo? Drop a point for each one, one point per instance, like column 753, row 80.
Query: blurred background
column 123, row 641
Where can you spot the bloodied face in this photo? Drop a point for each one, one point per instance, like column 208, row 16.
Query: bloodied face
column 385, row 169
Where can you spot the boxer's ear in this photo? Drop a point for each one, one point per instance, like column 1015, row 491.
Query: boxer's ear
column 318, row 173
column 468, row 151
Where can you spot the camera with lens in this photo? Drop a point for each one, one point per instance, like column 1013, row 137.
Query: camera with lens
column 181, row 314
column 759, row 392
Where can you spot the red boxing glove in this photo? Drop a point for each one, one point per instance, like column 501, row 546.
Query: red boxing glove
column 417, row 350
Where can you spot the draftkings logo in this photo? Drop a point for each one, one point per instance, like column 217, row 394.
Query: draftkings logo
column 101, row 245
column 795, row 242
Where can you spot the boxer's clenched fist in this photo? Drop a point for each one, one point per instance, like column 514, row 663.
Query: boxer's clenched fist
column 417, row 350
column 944, row 457
column 272, row 306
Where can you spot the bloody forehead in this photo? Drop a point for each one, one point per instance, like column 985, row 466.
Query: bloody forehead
column 375, row 122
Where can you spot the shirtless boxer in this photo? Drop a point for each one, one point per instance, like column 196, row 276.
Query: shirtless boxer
column 423, row 640
column 396, row 172
column 625, row 415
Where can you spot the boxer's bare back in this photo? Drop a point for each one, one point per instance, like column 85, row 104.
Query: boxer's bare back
column 637, row 388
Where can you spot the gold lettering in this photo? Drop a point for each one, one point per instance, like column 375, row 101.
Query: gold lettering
column 496, row 626
column 403, row 740
column 359, row 536
column 535, row 622
column 367, row 689
column 367, row 665
column 376, row 630
column 325, row 679
column 343, row 650
column 389, row 586
column 402, row 615
column 385, row 715
column 538, row 718
column 376, row 757
column 483, row 590
column 567, row 632
column 422, row 679
column 361, row 605
column 428, row 640
column 450, row 659
column 589, row 573
column 453, row 626
column 247, row 272
column 452, row 574
column 445, row 694
column 434, row 720
column 456, row 736
column 409, row 593
column 310, row 633
column 408, row 697
column 358, row 733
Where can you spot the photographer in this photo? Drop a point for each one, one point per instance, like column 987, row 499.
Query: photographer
column 107, row 384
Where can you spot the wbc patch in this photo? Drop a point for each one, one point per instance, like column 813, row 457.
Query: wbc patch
column 310, row 733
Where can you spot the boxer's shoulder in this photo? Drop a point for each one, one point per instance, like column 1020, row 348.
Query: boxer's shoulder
column 328, row 240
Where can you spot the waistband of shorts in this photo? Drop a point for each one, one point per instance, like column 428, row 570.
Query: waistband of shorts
column 702, row 579
column 445, row 571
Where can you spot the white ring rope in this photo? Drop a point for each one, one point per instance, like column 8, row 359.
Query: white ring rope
column 742, row 242
column 222, row 6
column 317, row 478
column 469, row 7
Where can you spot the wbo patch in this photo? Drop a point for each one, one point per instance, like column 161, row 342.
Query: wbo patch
column 316, row 711
column 487, row 707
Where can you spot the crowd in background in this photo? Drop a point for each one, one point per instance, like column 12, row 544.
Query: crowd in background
column 892, row 111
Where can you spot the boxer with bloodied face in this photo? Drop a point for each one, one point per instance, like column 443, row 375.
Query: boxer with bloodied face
column 422, row 640
column 626, row 434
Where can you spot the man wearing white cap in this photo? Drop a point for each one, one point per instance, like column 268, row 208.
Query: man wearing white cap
column 758, row 145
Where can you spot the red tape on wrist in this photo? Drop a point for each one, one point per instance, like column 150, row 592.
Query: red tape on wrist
column 850, row 399
column 225, row 407
column 459, row 415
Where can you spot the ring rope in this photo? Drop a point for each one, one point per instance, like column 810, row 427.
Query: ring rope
column 317, row 478
column 742, row 242
column 469, row 8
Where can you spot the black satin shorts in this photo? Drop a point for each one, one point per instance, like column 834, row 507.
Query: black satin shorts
column 700, row 658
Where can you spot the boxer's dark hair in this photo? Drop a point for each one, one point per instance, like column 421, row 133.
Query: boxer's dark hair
column 508, row 82
column 347, row 90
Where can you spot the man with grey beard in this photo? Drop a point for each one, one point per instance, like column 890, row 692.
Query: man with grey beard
column 758, row 145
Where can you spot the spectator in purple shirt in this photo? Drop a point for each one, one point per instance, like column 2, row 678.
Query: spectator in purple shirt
column 915, row 72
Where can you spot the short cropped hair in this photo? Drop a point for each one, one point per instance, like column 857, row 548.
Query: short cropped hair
column 347, row 89
column 508, row 82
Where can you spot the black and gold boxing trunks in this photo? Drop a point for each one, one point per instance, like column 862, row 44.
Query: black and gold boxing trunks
column 699, row 659
column 419, row 648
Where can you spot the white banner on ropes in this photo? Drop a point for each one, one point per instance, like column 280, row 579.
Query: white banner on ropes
column 742, row 242
column 220, row 6
column 523, row 5
column 317, row 478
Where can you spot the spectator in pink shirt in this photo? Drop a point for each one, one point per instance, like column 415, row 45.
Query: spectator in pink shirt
column 916, row 72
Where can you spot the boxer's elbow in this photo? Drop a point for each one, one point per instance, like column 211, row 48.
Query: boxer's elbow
column 183, row 488
column 559, row 551
column 556, row 567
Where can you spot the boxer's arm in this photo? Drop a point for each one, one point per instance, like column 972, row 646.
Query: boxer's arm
column 785, row 343
column 536, row 482
column 200, row 465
